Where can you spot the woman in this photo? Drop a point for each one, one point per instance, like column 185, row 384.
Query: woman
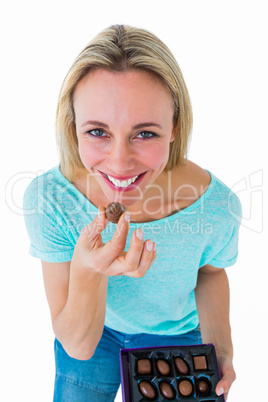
column 123, row 124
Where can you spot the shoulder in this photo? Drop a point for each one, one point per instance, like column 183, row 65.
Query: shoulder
column 37, row 186
column 227, row 200
column 224, row 202
column 189, row 183
column 42, row 188
column 197, row 176
column 220, row 198
column 225, row 193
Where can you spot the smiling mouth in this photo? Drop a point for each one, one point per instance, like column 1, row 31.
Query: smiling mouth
column 122, row 183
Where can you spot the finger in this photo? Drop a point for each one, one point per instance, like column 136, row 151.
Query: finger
column 91, row 234
column 128, row 262
column 148, row 256
column 102, row 215
column 121, row 232
column 117, row 244
column 133, row 256
column 154, row 254
column 224, row 385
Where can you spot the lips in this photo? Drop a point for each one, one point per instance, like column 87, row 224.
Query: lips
column 121, row 178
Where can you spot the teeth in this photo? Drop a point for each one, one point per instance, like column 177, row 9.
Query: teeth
column 124, row 183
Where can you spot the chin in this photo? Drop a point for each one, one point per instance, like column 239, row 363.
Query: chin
column 126, row 200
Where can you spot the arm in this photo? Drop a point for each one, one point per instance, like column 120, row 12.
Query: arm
column 212, row 300
column 76, row 290
column 77, row 307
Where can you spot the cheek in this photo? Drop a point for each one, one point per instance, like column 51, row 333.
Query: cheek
column 155, row 156
column 89, row 154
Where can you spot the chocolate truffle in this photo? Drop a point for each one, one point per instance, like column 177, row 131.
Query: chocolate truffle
column 181, row 366
column 200, row 362
column 166, row 390
column 163, row 367
column 185, row 388
column 147, row 390
column 114, row 210
column 144, row 366
column 202, row 387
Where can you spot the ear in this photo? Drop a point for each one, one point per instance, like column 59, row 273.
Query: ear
column 173, row 134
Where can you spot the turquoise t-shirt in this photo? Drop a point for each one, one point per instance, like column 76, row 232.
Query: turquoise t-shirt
column 163, row 301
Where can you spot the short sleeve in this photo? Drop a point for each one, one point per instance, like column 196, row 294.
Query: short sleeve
column 228, row 255
column 48, row 239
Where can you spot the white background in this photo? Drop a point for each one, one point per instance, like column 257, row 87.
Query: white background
column 221, row 47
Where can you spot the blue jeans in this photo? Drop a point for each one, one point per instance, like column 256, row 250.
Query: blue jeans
column 98, row 379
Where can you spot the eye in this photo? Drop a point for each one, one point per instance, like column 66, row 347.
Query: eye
column 147, row 134
column 96, row 132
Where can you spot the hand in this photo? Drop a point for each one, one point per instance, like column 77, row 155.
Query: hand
column 91, row 254
column 228, row 376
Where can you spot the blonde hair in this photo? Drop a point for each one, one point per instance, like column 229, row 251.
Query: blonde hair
column 121, row 48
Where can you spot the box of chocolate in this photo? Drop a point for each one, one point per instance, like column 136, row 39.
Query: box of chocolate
column 170, row 373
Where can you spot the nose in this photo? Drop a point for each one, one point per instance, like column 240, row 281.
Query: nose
column 121, row 159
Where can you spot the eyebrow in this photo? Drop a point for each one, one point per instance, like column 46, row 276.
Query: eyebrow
column 137, row 126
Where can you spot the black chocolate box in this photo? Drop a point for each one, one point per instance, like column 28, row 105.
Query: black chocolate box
column 170, row 373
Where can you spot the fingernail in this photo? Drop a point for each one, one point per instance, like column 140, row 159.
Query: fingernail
column 220, row 392
column 149, row 245
column 127, row 216
column 154, row 247
column 139, row 234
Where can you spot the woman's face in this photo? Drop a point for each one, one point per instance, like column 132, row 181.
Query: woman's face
column 124, row 124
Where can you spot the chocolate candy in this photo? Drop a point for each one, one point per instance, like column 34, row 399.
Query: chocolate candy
column 144, row 366
column 166, row 390
column 202, row 387
column 163, row 367
column 147, row 390
column 185, row 388
column 200, row 362
column 170, row 373
column 181, row 366
column 114, row 210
